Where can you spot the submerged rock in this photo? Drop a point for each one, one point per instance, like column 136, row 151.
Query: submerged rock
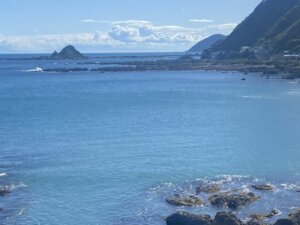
column 233, row 201
column 4, row 192
column 274, row 212
column 184, row 218
column 256, row 222
column 185, row 200
column 226, row 218
column 208, row 189
column 263, row 187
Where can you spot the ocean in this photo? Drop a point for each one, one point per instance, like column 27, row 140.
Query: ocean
column 108, row 148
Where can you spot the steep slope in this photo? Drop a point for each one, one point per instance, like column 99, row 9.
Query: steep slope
column 259, row 25
column 207, row 43
column 285, row 34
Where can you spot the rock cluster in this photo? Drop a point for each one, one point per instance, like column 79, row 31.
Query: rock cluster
column 226, row 218
column 233, row 201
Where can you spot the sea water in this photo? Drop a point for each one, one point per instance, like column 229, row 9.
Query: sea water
column 108, row 148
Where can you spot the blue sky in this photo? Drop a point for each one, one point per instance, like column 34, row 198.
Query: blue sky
column 115, row 25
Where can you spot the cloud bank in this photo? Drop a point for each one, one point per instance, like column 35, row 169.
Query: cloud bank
column 129, row 35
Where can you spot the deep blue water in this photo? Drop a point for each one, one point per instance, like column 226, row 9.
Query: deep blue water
column 92, row 148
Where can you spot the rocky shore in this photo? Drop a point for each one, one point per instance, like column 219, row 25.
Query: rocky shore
column 229, row 203
column 228, row 218
column 277, row 68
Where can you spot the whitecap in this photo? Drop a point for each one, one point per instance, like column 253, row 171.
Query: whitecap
column 36, row 70
column 290, row 187
column 252, row 96
column 13, row 186
column 3, row 174
column 294, row 92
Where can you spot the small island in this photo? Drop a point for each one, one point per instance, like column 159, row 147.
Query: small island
column 68, row 53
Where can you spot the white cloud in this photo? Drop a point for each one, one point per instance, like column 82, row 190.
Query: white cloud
column 201, row 21
column 95, row 21
column 128, row 35
column 225, row 26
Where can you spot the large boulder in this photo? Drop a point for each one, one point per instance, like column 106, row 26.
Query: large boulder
column 226, row 218
column 284, row 222
column 295, row 217
column 184, row 218
column 190, row 200
column 233, row 201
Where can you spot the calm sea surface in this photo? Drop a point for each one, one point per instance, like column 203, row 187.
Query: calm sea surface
column 107, row 149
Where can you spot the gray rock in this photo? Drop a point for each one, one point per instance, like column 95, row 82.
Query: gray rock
column 184, row 218
column 185, row 200
column 4, row 192
column 295, row 217
column 233, row 201
column 274, row 212
column 226, row 218
column 263, row 187
column 207, row 189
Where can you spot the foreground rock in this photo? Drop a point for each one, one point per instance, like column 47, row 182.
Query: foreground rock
column 185, row 200
column 184, row 218
column 263, row 187
column 208, row 189
column 293, row 219
column 256, row 222
column 226, row 218
column 233, row 201
column 274, row 212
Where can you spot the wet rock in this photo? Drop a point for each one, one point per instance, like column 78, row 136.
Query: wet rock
column 284, row 222
column 233, row 201
column 295, row 217
column 207, row 189
column 184, row 218
column 226, row 218
column 274, row 212
column 263, row 187
column 185, row 200
column 255, row 222
column 4, row 192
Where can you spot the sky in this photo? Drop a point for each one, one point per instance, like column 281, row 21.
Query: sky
column 42, row 26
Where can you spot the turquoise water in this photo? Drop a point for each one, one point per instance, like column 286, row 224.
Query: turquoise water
column 91, row 148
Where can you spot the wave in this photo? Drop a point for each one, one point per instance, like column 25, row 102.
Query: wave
column 12, row 187
column 252, row 96
column 3, row 174
column 37, row 70
column 294, row 92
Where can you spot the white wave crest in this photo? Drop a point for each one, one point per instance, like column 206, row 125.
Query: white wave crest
column 37, row 70
column 3, row 174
